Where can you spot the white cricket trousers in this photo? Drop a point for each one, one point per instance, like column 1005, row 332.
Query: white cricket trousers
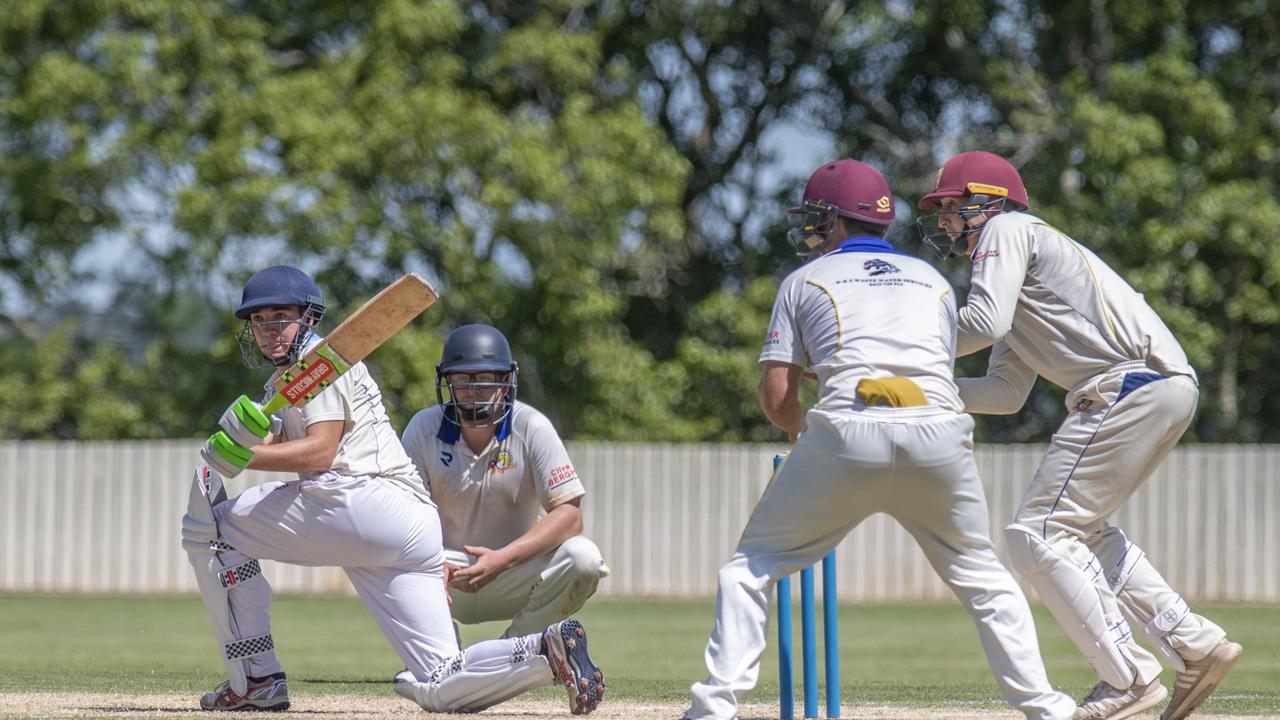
column 534, row 594
column 916, row 464
column 386, row 539
column 1119, row 428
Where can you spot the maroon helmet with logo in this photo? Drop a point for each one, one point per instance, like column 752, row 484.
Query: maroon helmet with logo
column 845, row 187
column 976, row 173
column 984, row 183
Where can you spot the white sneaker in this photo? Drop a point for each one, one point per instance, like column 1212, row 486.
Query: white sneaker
column 1202, row 676
column 270, row 693
column 1107, row 703
column 565, row 646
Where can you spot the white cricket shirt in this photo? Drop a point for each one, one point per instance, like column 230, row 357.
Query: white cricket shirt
column 864, row 311
column 369, row 445
column 1051, row 307
column 495, row 496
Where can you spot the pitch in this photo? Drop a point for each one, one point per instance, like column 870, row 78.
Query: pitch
column 135, row 657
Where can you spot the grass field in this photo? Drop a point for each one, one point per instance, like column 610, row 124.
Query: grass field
column 891, row 656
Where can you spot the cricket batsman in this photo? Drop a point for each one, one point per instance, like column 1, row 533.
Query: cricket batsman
column 357, row 502
column 1048, row 306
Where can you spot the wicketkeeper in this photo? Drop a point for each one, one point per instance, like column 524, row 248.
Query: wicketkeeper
column 1048, row 306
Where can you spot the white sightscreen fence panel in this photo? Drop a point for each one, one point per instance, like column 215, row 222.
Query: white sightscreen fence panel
column 104, row 518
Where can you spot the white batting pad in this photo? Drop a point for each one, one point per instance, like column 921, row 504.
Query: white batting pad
column 1089, row 617
column 200, row 540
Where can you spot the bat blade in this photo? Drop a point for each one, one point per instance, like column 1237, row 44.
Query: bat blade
column 360, row 334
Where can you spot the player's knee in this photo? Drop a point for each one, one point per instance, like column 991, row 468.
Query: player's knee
column 197, row 534
column 1027, row 550
column 584, row 558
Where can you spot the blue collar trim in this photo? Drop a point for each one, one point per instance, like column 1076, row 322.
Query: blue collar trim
column 866, row 243
column 450, row 431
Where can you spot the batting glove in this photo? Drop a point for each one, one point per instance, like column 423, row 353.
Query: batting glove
column 245, row 423
column 225, row 456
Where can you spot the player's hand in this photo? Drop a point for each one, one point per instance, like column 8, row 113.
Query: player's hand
column 488, row 565
column 245, row 423
column 225, row 455
column 449, row 570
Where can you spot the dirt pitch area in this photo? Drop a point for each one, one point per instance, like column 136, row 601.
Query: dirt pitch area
column 62, row 705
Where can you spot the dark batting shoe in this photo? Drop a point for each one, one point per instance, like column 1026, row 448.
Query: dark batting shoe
column 565, row 646
column 268, row 694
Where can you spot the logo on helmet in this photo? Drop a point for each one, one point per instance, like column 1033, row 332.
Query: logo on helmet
column 884, row 204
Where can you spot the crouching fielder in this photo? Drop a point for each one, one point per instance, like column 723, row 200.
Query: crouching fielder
column 357, row 503
column 886, row 435
column 1048, row 306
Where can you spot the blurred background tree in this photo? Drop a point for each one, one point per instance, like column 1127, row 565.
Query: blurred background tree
column 604, row 182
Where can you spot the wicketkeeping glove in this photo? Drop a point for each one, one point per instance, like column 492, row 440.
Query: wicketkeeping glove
column 225, row 455
column 245, row 423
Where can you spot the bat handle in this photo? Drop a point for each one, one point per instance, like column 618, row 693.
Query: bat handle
column 277, row 403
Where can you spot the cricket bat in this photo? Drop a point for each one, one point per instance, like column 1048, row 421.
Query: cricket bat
column 349, row 343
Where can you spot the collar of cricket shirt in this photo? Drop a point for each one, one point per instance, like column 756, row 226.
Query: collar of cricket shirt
column 866, row 243
column 450, row 431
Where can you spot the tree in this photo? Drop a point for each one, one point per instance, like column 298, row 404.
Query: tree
column 361, row 141
column 602, row 180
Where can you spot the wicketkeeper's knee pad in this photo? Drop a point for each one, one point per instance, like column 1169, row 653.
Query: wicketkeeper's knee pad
column 1069, row 581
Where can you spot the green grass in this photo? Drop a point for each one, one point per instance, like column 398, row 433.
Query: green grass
column 917, row 655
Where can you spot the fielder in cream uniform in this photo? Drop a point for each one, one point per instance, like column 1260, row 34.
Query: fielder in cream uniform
column 358, row 503
column 1048, row 306
column 886, row 435
column 508, row 494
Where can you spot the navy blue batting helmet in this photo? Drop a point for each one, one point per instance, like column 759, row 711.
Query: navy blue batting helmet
column 280, row 286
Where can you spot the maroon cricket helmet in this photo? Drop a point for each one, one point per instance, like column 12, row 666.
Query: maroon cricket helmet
column 855, row 189
column 976, row 173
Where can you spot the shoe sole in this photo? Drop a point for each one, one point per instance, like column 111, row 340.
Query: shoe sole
column 1214, row 675
column 1151, row 700
column 250, row 707
column 586, row 689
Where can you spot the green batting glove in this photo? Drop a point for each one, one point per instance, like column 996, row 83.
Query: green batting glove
column 225, row 455
column 245, row 423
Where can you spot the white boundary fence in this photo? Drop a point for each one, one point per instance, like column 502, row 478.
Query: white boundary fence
column 104, row 518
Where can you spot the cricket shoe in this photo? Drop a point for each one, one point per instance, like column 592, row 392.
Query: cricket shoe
column 1107, row 703
column 565, row 646
column 1190, row 688
column 269, row 694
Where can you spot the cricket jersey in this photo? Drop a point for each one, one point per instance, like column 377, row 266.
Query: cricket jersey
column 877, row 329
column 1049, row 306
column 495, row 496
column 369, row 445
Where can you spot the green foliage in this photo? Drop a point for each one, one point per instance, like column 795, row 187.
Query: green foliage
column 597, row 180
